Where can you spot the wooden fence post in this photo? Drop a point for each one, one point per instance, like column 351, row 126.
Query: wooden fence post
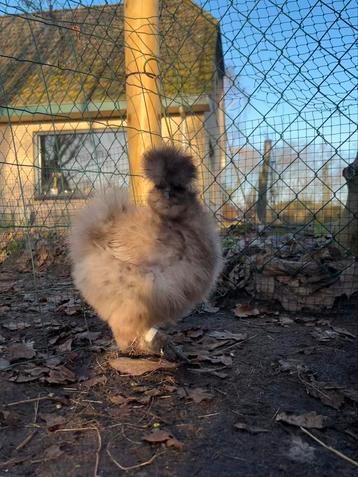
column 261, row 204
column 141, row 40
column 347, row 233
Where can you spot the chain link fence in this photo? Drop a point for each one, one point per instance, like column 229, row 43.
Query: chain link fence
column 261, row 93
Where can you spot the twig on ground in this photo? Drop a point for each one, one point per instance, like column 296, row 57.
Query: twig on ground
column 13, row 461
column 204, row 416
column 234, row 457
column 97, row 452
column 207, row 370
column 100, row 365
column 132, row 467
column 26, row 440
column 159, row 418
column 220, row 391
column 126, row 437
column 332, row 449
column 24, row 401
column 118, row 424
column 307, row 383
column 37, row 404
column 93, row 428
column 237, row 343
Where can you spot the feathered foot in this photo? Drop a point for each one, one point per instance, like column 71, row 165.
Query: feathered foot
column 158, row 343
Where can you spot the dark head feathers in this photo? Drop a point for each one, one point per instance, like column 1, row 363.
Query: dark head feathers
column 168, row 166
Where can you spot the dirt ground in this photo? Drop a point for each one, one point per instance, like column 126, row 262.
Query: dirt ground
column 257, row 393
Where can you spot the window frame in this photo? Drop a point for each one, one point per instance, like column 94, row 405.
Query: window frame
column 39, row 194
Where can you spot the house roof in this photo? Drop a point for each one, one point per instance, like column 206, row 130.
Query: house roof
column 75, row 58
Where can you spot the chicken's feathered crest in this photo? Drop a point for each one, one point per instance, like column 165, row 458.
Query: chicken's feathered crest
column 166, row 166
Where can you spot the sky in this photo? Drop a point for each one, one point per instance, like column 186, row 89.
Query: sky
column 294, row 59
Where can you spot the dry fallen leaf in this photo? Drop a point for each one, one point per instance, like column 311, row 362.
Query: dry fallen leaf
column 173, row 442
column 241, row 426
column 16, row 325
column 196, row 394
column 43, row 255
column 153, row 392
column 137, row 367
column 4, row 364
column 194, row 333
column 9, row 418
column 22, row 378
column 228, row 335
column 157, row 436
column 210, row 308
column 18, row 351
column 326, row 393
column 292, row 365
column 118, row 399
column 88, row 335
column 89, row 383
column 309, row 420
column 6, row 286
column 163, row 437
column 220, row 359
column 168, row 388
column 69, row 308
column 119, row 412
column 52, row 452
column 246, row 310
column 285, row 320
column 65, row 346
column 53, row 421
column 60, row 375
column 324, row 335
column 211, row 344
column 220, row 374
column 343, row 332
column 199, row 394
column 214, row 372
column 351, row 394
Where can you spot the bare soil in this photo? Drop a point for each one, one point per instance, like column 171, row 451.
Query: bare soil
column 66, row 412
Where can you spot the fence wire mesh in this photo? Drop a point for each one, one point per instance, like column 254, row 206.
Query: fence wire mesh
column 262, row 94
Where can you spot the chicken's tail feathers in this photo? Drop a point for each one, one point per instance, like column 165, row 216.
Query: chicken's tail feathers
column 93, row 222
column 168, row 166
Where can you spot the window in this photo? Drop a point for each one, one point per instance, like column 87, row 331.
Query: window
column 74, row 164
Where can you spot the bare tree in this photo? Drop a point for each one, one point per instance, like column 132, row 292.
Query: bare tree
column 38, row 5
column 58, row 151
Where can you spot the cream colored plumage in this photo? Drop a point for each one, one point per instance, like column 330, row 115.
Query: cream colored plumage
column 141, row 267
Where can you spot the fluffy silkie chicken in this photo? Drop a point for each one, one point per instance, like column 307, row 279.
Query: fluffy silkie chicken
column 143, row 267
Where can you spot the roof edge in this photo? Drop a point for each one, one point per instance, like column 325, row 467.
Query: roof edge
column 109, row 109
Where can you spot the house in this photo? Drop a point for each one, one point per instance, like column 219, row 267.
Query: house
column 63, row 105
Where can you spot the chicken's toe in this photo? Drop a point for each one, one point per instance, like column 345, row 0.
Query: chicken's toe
column 160, row 344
